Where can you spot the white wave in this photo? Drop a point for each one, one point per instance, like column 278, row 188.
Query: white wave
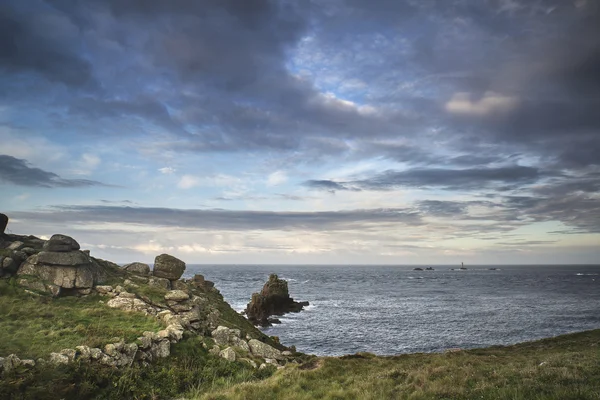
column 310, row 307
column 289, row 279
column 580, row 274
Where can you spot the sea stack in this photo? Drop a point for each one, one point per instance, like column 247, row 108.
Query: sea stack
column 274, row 299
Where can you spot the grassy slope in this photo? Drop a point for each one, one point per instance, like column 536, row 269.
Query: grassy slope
column 565, row 367
column 189, row 369
column 33, row 326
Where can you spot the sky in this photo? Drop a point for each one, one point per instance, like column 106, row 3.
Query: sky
column 305, row 132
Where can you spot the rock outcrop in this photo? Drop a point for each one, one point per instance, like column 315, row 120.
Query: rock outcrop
column 62, row 268
column 169, row 267
column 3, row 222
column 138, row 268
column 274, row 299
column 61, row 244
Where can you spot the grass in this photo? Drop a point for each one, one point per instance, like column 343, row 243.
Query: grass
column 190, row 369
column 565, row 367
column 34, row 326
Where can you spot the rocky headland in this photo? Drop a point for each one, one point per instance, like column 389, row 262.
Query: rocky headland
column 57, row 268
column 273, row 300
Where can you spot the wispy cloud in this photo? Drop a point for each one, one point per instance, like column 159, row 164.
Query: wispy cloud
column 18, row 172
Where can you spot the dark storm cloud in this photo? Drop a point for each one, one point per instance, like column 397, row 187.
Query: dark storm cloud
column 18, row 172
column 217, row 219
column 42, row 42
column 216, row 74
column 555, row 80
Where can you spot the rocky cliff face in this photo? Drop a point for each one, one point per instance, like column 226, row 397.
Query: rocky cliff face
column 273, row 299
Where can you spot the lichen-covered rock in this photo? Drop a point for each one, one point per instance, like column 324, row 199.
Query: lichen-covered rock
column 177, row 295
column 274, row 299
column 229, row 337
column 103, row 289
column 15, row 245
column 8, row 364
column 169, row 267
column 228, row 354
column 263, row 350
column 179, row 285
column 138, row 268
column 57, row 358
column 58, row 271
column 67, row 259
column 72, row 270
column 161, row 349
column 61, row 243
column 9, row 265
column 162, row 283
column 130, row 304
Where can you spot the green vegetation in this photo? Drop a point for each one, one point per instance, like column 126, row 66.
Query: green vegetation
column 565, row 367
column 189, row 371
column 34, row 326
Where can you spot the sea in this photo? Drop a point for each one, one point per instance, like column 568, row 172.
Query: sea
column 390, row 310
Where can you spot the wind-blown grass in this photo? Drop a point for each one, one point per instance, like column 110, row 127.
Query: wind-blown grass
column 34, row 326
column 565, row 367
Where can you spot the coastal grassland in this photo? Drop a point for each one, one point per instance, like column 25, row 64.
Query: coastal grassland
column 189, row 369
column 565, row 367
column 34, row 326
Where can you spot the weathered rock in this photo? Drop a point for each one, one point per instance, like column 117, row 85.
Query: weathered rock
column 127, row 295
column 274, row 299
column 129, row 304
column 228, row 354
column 138, row 268
column 179, row 285
column 263, row 350
column 161, row 349
column 3, row 222
column 67, row 270
column 225, row 336
column 180, row 308
column 9, row 363
column 29, row 251
column 215, row 350
column 67, row 259
column 15, row 245
column 84, row 353
column 103, row 289
column 197, row 280
column 177, row 295
column 9, row 264
column 169, row 267
column 173, row 332
column 61, row 243
column 162, row 283
column 57, row 358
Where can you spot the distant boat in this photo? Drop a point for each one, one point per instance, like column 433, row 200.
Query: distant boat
column 429, row 269
column 462, row 266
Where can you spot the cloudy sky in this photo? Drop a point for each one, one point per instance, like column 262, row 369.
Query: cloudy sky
column 308, row 131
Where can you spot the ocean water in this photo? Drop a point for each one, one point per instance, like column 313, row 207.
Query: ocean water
column 394, row 309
